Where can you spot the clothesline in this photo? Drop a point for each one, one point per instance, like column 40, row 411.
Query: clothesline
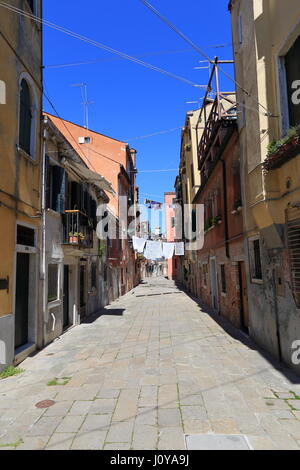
column 154, row 250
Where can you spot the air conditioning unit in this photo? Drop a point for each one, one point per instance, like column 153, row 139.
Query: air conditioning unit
column 81, row 140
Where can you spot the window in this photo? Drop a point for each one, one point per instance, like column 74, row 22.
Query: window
column 293, row 237
column 192, row 175
column 255, row 259
column 25, row 236
column 240, row 29
column 31, row 4
column 56, row 187
column 94, row 275
column 25, row 119
column 223, row 279
column 173, row 222
column 292, row 68
column 53, row 282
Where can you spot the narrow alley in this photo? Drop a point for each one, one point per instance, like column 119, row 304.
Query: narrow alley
column 151, row 370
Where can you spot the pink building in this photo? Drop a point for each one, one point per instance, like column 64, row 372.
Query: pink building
column 170, row 231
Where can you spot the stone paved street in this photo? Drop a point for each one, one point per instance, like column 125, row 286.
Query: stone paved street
column 152, row 368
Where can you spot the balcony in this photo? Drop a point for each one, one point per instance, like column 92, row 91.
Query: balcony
column 77, row 229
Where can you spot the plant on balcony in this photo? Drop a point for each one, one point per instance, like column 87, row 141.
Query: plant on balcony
column 277, row 144
column 74, row 237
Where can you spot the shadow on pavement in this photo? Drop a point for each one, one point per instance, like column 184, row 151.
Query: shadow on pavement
column 239, row 335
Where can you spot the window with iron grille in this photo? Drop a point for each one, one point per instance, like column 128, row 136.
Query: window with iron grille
column 53, row 293
column 293, row 237
column 223, row 279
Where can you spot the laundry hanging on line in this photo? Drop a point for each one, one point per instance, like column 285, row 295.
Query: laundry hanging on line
column 153, row 250
column 139, row 244
column 168, row 250
column 179, row 249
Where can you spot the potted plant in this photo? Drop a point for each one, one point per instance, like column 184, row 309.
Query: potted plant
column 74, row 237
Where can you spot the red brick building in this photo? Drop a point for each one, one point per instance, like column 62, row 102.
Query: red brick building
column 221, row 262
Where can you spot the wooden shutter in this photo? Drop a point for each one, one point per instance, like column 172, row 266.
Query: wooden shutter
column 25, row 118
column 293, row 240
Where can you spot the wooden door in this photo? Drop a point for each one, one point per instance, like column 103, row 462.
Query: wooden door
column 244, row 296
column 22, row 296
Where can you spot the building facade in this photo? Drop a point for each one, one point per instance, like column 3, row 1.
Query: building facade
column 116, row 162
column 170, row 215
column 20, row 176
column 221, row 262
column 72, row 265
column 266, row 40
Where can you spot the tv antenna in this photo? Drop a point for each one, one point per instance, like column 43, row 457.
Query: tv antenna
column 85, row 102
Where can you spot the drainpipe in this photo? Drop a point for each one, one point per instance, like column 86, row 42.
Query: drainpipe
column 43, row 228
column 225, row 209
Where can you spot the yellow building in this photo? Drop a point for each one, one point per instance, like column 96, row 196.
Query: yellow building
column 266, row 40
column 187, row 185
column 20, row 156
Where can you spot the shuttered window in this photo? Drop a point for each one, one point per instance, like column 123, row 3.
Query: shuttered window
column 293, row 238
column 25, row 118
column 56, row 187
column 53, row 282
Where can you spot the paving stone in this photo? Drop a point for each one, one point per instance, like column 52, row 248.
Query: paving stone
column 117, row 445
column 193, row 412
column 145, row 437
column 96, row 422
column 126, row 406
column 109, row 393
column 171, row 439
column 59, row 409
column 169, row 417
column 120, row 432
column 33, row 443
column 60, row 441
column 147, row 415
column 80, row 408
column 90, row 440
column 70, row 424
column 45, row 426
column 103, row 405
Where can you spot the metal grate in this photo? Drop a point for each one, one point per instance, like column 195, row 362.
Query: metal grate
column 293, row 240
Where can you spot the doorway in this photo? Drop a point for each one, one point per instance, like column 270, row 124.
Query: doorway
column 66, row 302
column 21, row 300
column 244, row 312
column 82, row 290
column 214, row 284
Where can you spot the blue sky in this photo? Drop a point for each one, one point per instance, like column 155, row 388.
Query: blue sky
column 129, row 100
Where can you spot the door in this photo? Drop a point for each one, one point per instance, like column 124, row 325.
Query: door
column 244, row 296
column 22, row 296
column 82, row 290
column 66, row 296
column 214, row 284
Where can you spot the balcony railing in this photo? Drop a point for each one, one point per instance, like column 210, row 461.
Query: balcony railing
column 77, row 229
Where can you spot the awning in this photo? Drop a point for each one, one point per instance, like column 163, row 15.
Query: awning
column 89, row 176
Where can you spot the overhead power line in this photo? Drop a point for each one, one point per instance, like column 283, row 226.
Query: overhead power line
column 98, row 44
column 149, row 54
column 155, row 134
column 197, row 48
